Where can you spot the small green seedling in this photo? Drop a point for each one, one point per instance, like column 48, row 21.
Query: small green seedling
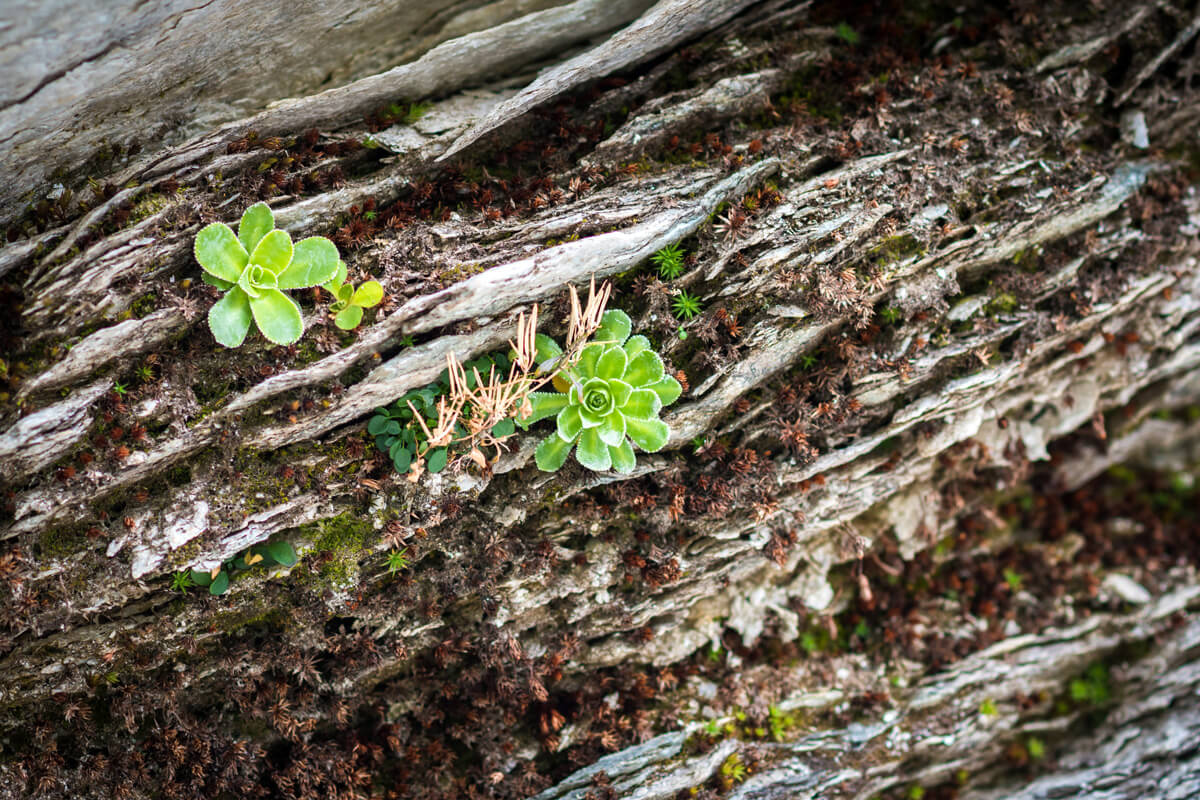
column 847, row 34
column 669, row 261
column 686, row 306
column 607, row 402
column 265, row 555
column 182, row 581
column 397, row 560
column 348, row 302
column 254, row 269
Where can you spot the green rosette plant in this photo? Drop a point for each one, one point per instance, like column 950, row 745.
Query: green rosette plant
column 254, row 269
column 607, row 401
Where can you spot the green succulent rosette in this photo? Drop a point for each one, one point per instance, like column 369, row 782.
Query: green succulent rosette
column 608, row 402
column 254, row 269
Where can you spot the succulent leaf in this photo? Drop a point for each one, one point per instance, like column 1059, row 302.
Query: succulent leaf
column 592, row 452
column 648, row 434
column 615, row 327
column 277, row 315
column 552, row 453
column 570, row 423
column 220, row 253
column 544, row 404
column 257, row 222
column 314, row 262
column 229, row 319
column 273, row 252
column 349, row 317
column 623, row 459
column 368, row 295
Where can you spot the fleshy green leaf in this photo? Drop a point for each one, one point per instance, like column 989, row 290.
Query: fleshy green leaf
column 667, row 388
column 219, row 584
column 643, row 404
column 348, row 318
column 623, row 459
column 437, row 459
column 620, row 391
column 546, row 348
column 615, row 326
column 283, row 553
column 257, row 222
column 201, row 577
column 314, row 262
column 504, row 427
column 587, row 360
column 273, row 252
column 636, row 344
column 402, row 459
column 570, row 423
column 611, row 363
column 646, row 367
column 612, row 431
column 339, row 277
column 648, row 434
column 592, row 452
column 551, row 453
column 369, row 294
column 229, row 318
column 377, row 425
column 278, row 316
column 545, row 404
column 217, row 282
column 220, row 252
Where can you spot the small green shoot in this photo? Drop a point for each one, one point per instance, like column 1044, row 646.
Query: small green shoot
column 669, row 261
column 397, row 560
column 1036, row 748
column 181, row 582
column 847, row 34
column 348, row 302
column 1013, row 579
column 988, row 708
column 686, row 306
column 120, row 388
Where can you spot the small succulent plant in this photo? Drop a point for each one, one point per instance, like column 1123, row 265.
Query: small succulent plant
column 348, row 302
column 217, row 581
column 606, row 403
column 254, row 268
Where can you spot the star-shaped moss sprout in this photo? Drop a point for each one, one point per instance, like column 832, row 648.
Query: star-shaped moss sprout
column 607, row 402
column 255, row 268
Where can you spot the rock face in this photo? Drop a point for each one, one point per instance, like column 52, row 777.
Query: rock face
column 926, row 518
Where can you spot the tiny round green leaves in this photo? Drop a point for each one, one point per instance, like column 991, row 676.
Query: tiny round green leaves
column 253, row 268
column 613, row 397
